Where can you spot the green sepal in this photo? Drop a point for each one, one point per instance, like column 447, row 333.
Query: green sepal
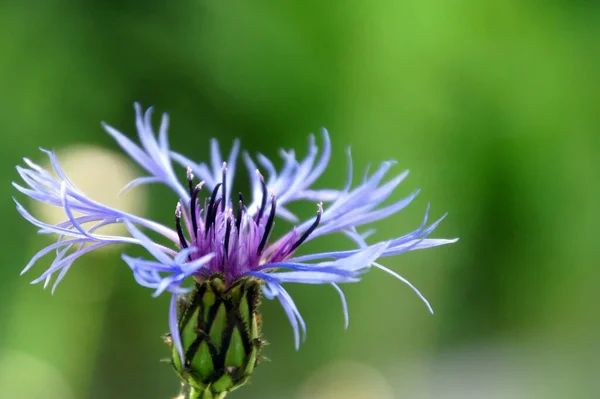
column 203, row 362
column 254, row 327
column 223, row 384
column 251, row 361
column 236, row 354
column 219, row 325
column 245, row 311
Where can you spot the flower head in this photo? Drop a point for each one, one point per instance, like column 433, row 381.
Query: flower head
column 218, row 233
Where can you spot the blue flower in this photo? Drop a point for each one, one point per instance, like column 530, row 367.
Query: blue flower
column 226, row 234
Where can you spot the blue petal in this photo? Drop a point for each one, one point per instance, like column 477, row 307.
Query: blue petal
column 147, row 243
column 215, row 159
column 153, row 156
column 344, row 304
column 405, row 281
column 175, row 328
column 293, row 182
column 305, row 277
column 140, row 181
column 274, row 290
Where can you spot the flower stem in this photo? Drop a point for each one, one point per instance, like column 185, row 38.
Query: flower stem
column 205, row 394
column 188, row 392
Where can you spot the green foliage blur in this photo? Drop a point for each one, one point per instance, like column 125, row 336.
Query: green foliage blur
column 493, row 106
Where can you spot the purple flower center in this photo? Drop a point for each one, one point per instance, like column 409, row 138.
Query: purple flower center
column 238, row 239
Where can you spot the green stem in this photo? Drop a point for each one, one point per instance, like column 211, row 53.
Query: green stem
column 188, row 392
column 205, row 394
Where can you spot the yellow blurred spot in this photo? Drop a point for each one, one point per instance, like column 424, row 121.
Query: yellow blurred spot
column 25, row 376
column 346, row 380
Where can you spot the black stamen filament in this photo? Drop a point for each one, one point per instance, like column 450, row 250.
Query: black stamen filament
column 264, row 198
column 182, row 239
column 268, row 226
column 210, row 207
column 193, row 208
column 227, row 234
column 212, row 218
column 238, row 218
column 309, row 231
column 215, row 209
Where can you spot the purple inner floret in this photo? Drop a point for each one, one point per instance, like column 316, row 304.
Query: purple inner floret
column 237, row 240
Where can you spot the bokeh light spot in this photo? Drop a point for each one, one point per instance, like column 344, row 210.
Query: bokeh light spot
column 346, row 380
column 26, row 376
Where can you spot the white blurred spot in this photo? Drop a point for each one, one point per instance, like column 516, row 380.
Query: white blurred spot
column 346, row 380
column 100, row 174
column 25, row 376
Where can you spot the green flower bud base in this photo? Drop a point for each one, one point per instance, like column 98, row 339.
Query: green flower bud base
column 220, row 334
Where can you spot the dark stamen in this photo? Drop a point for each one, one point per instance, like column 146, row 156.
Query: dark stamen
column 193, row 208
column 215, row 210
column 210, row 222
column 227, row 234
column 238, row 218
column 182, row 240
column 209, row 209
column 224, row 189
column 268, row 226
column 264, row 197
column 309, row 231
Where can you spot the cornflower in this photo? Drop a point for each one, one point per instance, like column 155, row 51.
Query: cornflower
column 223, row 243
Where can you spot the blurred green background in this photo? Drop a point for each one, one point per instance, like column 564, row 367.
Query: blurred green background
column 493, row 106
